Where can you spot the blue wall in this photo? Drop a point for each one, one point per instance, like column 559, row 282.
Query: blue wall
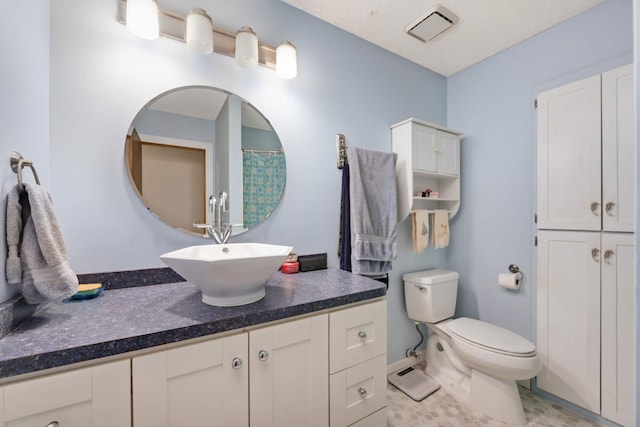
column 492, row 103
column 101, row 75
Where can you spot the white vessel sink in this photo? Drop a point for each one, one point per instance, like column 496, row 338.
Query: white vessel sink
column 229, row 274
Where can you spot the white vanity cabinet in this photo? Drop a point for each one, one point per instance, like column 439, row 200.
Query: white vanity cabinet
column 272, row 376
column 585, row 320
column 99, row 396
column 202, row 384
column 428, row 157
column 358, row 365
column 586, row 154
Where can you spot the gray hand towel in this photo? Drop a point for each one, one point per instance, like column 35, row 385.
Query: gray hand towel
column 45, row 271
column 374, row 214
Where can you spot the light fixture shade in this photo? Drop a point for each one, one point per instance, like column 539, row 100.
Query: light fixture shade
column 247, row 47
column 199, row 31
column 286, row 61
column 142, row 18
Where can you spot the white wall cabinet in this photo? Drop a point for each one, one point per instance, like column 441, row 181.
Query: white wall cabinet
column 99, row 396
column 428, row 157
column 585, row 175
column 585, row 320
column 358, row 365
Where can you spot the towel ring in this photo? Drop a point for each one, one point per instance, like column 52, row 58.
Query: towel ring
column 18, row 163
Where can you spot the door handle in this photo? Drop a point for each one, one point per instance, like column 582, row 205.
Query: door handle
column 595, row 208
column 607, row 256
column 595, row 254
column 608, row 207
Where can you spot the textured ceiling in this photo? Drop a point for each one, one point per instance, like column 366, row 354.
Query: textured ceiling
column 485, row 27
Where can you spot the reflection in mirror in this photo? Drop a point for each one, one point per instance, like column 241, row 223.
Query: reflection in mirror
column 190, row 144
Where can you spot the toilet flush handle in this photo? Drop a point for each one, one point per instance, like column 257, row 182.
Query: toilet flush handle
column 421, row 288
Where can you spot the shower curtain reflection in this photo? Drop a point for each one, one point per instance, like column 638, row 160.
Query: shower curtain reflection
column 264, row 175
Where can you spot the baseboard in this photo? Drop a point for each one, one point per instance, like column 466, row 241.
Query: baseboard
column 405, row 363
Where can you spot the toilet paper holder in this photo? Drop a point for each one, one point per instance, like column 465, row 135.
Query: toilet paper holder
column 514, row 268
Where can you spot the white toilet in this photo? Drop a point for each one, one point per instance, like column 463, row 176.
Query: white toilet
column 475, row 361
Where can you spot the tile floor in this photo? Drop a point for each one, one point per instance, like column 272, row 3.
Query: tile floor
column 442, row 410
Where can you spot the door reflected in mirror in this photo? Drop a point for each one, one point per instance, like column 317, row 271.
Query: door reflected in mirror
column 190, row 144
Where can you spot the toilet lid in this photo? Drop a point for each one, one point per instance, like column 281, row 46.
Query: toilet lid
column 490, row 336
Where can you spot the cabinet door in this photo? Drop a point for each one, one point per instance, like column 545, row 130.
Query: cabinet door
column 618, row 149
column 424, row 150
column 448, row 156
column 568, row 321
column 618, row 296
column 89, row 397
column 193, row 385
column 569, row 182
column 290, row 374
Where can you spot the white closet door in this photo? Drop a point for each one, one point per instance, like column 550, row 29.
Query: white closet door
column 569, row 182
column 618, row 296
column 618, row 149
column 568, row 321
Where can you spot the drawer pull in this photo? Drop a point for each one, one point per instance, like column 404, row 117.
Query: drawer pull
column 362, row 392
column 263, row 355
column 236, row 363
column 362, row 335
column 53, row 424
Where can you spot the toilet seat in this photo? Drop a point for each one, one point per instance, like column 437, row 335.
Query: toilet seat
column 490, row 337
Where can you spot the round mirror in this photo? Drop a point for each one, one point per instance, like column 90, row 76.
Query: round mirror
column 199, row 155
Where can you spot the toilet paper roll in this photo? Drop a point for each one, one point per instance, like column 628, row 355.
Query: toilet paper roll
column 510, row 280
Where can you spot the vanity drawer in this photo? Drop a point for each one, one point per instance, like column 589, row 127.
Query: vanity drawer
column 377, row 419
column 357, row 334
column 358, row 391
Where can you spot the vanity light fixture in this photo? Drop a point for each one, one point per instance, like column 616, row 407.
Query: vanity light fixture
column 286, row 61
column 142, row 18
column 242, row 45
column 199, row 31
column 247, row 47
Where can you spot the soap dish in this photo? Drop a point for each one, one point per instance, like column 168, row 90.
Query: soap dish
column 88, row 291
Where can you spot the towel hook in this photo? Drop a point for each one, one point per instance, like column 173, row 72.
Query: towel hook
column 18, row 163
column 341, row 148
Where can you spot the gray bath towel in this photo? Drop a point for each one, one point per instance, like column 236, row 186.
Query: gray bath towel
column 37, row 256
column 374, row 214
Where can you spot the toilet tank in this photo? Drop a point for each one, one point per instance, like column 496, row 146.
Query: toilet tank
column 430, row 295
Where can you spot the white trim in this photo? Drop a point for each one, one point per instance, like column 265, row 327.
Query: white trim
column 208, row 158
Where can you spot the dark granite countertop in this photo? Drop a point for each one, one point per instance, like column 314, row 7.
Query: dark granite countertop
column 139, row 317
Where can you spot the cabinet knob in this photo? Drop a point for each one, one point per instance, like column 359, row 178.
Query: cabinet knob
column 595, row 208
column 263, row 355
column 362, row 391
column 53, row 424
column 236, row 363
column 608, row 207
column 595, row 254
column 607, row 256
column 362, row 335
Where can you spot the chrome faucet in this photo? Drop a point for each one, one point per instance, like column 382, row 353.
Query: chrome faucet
column 219, row 231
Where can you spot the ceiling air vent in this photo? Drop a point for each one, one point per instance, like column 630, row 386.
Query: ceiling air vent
column 432, row 23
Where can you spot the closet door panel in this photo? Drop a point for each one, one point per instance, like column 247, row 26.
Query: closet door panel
column 569, row 159
column 618, row 149
column 425, row 146
column 618, row 296
column 568, row 326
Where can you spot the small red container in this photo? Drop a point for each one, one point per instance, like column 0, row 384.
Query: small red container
column 290, row 267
